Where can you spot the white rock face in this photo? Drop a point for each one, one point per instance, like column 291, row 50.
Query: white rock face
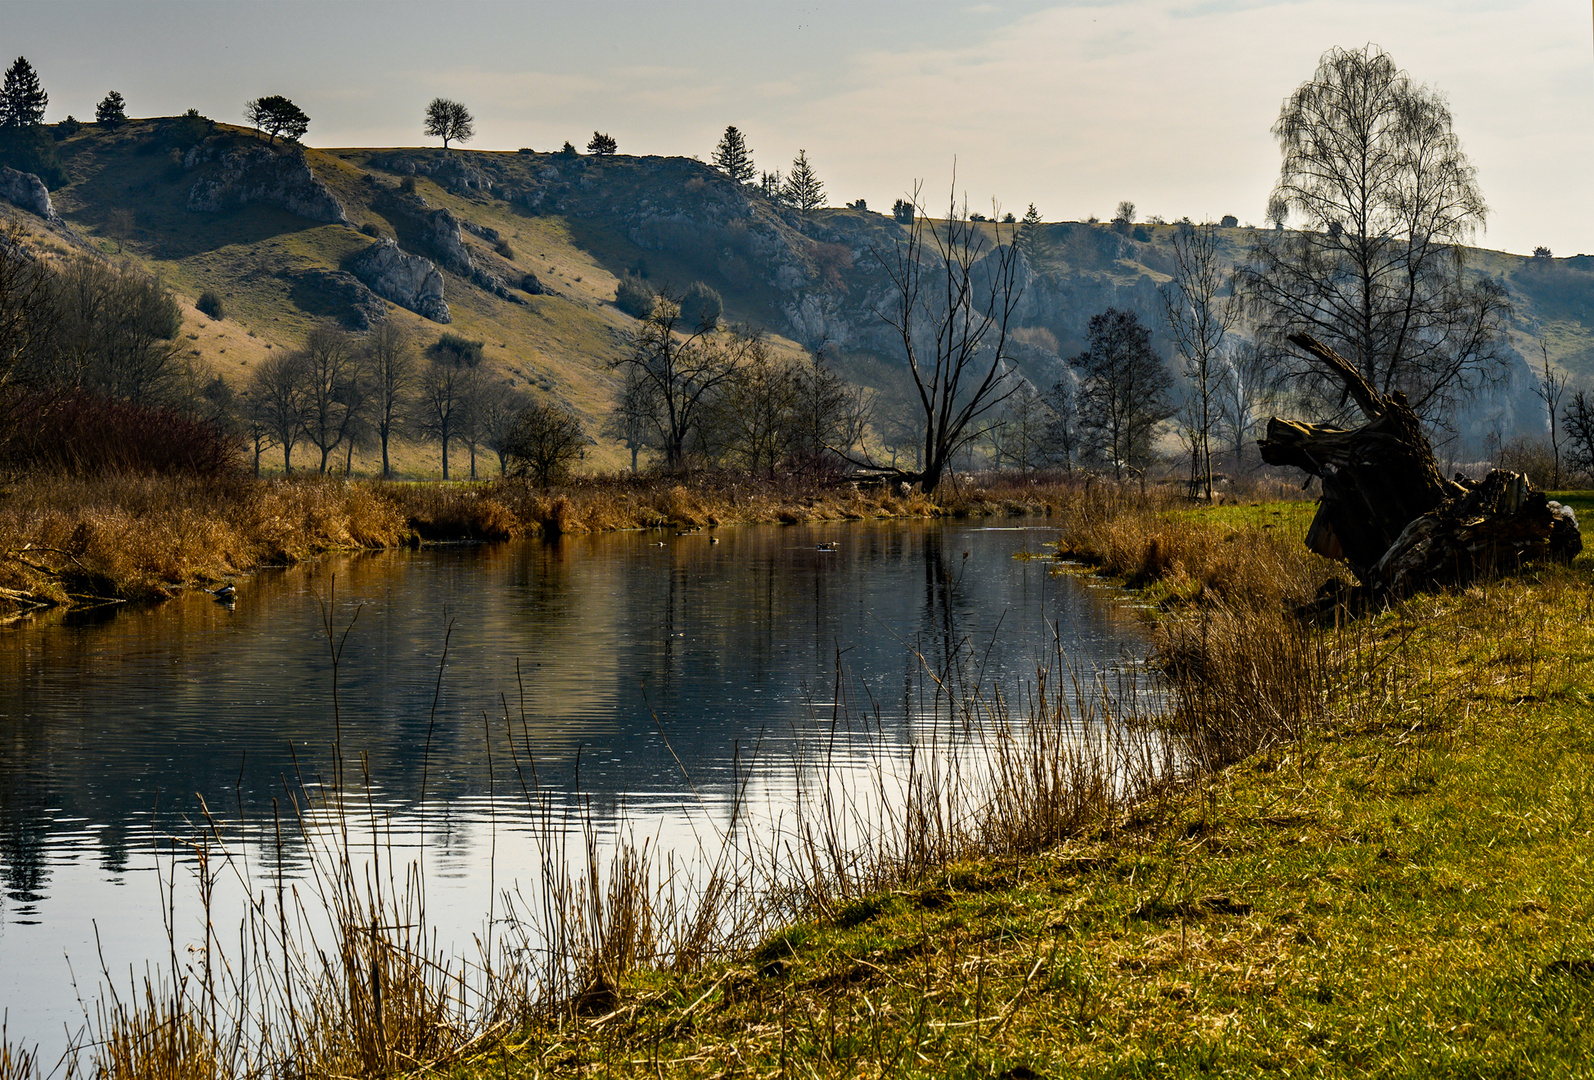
column 258, row 174
column 408, row 280
column 27, row 191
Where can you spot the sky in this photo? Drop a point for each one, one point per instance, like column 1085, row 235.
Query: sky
column 1073, row 106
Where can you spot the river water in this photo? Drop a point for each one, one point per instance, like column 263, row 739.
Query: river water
column 662, row 673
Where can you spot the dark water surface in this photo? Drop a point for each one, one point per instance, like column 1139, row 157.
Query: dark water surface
column 654, row 671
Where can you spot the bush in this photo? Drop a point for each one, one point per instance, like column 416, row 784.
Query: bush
column 633, row 297
column 67, row 128
column 902, row 212
column 1140, row 233
column 1230, row 222
column 407, row 185
column 85, row 434
column 503, row 248
column 210, row 303
column 701, row 307
column 528, row 150
column 530, row 283
column 32, row 150
column 568, row 150
column 370, row 229
column 456, row 350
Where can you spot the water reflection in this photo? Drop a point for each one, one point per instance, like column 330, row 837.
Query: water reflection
column 650, row 668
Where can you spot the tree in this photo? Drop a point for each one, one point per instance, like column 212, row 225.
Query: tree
column 117, row 333
column 771, row 186
column 1249, row 381
column 333, row 392
column 1229, row 221
column 277, row 402
column 1387, row 200
column 276, row 115
column 803, row 188
column 1549, row 388
column 22, row 98
column 1123, row 391
column 1021, row 437
column 448, row 394
column 1124, row 217
column 953, row 295
column 701, row 306
column 602, row 145
column 1199, row 317
column 1062, row 427
column 389, row 362
column 902, row 212
column 544, row 443
column 677, row 373
column 449, row 121
column 828, row 417
column 1029, row 232
column 112, row 110
column 1578, row 422
column 1542, row 252
column 631, row 420
column 747, row 421
column 733, row 158
column 498, row 412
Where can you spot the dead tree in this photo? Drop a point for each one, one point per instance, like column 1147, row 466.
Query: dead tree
column 1388, row 513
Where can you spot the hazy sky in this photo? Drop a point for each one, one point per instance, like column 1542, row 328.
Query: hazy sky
column 1071, row 105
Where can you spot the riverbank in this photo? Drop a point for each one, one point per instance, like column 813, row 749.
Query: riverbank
column 1392, row 880
column 86, row 541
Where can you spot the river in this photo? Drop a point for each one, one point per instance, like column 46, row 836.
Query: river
column 665, row 673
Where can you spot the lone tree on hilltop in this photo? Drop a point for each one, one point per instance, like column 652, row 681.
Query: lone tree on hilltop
column 1376, row 271
column 602, row 145
column 733, row 158
column 22, row 99
column 111, row 110
column 449, row 121
column 276, row 115
column 1029, row 232
column 803, row 188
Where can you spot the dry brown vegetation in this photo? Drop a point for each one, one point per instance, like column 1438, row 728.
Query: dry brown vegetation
column 67, row 540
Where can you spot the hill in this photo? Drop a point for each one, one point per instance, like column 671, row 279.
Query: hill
column 523, row 251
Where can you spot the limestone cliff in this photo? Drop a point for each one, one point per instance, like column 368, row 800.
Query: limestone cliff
column 239, row 173
column 410, row 281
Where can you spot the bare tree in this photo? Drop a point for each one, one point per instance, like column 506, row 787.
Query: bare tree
column 1387, row 200
column 953, row 294
column 449, row 121
column 447, row 396
column 545, row 441
column 678, row 372
column 1549, row 388
column 388, row 355
column 1578, row 423
column 1249, row 380
column 747, row 422
column 1200, row 311
column 829, row 417
column 1021, row 436
column 277, row 402
column 631, row 421
column 496, row 419
column 334, row 396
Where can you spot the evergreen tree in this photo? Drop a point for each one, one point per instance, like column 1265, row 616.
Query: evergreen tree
column 603, row 145
column 803, row 188
column 733, row 158
column 1028, row 232
column 22, row 99
column 276, row 115
column 770, row 184
column 111, row 110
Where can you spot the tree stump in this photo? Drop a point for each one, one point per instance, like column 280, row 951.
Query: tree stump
column 1388, row 513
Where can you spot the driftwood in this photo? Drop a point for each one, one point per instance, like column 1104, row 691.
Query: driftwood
column 1388, row 512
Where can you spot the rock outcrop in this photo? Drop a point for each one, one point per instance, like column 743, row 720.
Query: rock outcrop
column 244, row 174
column 27, row 191
column 410, row 281
column 337, row 294
column 451, row 170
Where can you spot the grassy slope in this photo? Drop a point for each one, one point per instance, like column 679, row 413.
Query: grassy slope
column 560, row 345
column 1405, row 892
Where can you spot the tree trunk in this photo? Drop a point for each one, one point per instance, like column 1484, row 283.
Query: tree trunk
column 1388, row 513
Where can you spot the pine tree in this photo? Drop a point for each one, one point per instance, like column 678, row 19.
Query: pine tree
column 112, row 110
column 733, row 158
column 22, row 99
column 602, row 145
column 1028, row 232
column 803, row 188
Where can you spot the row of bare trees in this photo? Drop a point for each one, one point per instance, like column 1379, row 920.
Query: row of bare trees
column 340, row 392
column 719, row 396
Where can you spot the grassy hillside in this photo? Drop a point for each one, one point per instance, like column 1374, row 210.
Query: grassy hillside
column 579, row 224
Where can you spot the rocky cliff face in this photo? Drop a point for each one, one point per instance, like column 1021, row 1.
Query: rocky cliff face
column 239, row 174
column 27, row 191
column 408, row 280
